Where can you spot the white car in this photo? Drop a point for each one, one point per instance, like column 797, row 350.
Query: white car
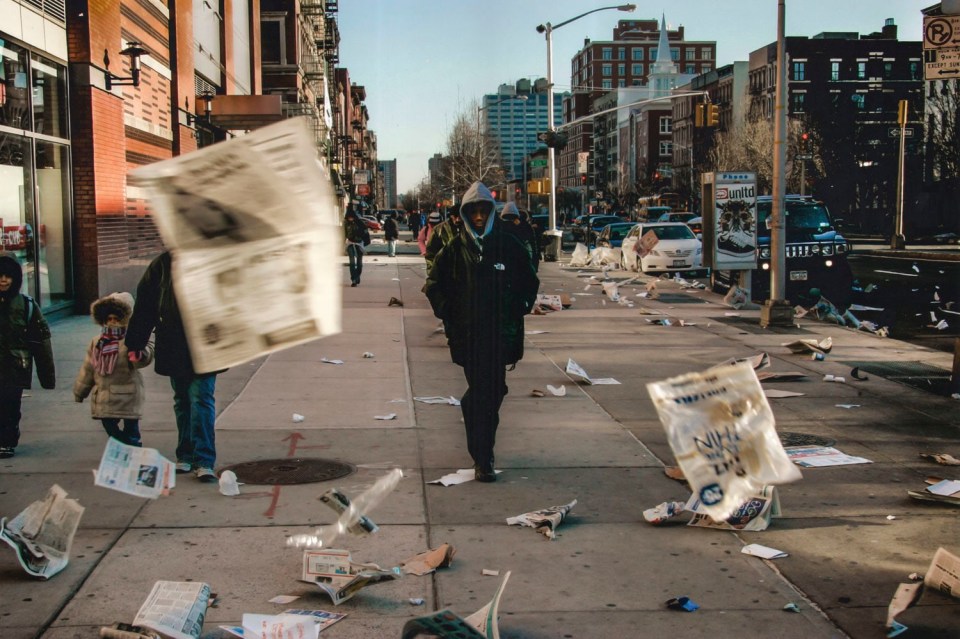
column 670, row 246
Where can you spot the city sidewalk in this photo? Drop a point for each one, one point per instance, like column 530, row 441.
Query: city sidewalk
column 607, row 575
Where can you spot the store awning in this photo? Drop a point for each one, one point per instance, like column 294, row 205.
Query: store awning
column 242, row 112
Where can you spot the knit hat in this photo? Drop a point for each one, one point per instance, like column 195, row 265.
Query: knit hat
column 434, row 217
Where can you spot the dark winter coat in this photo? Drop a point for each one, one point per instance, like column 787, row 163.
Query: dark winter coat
column 156, row 309
column 356, row 231
column 24, row 334
column 482, row 296
column 442, row 234
column 391, row 230
column 119, row 395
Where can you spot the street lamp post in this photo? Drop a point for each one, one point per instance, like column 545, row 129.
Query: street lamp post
column 547, row 29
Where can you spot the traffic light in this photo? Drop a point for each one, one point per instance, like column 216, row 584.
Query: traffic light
column 713, row 115
column 698, row 117
column 804, row 141
column 553, row 139
column 583, row 179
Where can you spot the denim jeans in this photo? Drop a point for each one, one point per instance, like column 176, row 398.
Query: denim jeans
column 10, row 399
column 196, row 412
column 129, row 434
column 355, row 253
column 391, row 248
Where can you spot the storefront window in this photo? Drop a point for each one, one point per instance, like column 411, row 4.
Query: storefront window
column 53, row 209
column 14, row 89
column 49, row 84
column 16, row 205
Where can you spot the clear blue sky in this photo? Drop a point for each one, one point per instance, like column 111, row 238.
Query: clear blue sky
column 424, row 61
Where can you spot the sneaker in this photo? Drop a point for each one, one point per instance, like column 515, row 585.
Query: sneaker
column 485, row 473
column 7, row 452
column 183, row 467
column 206, row 475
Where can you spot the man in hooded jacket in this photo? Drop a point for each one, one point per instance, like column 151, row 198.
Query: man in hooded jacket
column 24, row 339
column 481, row 285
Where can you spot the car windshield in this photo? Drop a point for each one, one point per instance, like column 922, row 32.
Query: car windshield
column 601, row 222
column 800, row 215
column 619, row 232
column 673, row 232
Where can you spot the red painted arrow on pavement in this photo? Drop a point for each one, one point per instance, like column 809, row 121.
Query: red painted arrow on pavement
column 293, row 438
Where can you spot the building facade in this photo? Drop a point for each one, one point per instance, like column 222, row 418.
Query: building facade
column 388, row 172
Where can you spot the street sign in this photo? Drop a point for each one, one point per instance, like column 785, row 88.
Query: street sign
column 894, row 132
column 941, row 31
column 538, row 163
column 942, row 63
column 804, row 156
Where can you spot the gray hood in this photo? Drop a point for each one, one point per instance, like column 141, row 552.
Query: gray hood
column 478, row 192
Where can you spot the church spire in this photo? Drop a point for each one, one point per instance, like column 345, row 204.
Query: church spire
column 664, row 63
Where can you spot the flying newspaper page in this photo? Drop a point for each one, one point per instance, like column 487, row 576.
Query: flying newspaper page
column 252, row 218
column 42, row 534
column 175, row 609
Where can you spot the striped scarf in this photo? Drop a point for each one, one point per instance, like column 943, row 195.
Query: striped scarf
column 107, row 349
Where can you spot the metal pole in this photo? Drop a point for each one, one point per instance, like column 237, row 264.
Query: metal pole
column 899, row 241
column 551, row 152
column 803, row 177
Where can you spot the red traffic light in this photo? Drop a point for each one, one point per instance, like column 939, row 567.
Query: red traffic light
column 804, row 136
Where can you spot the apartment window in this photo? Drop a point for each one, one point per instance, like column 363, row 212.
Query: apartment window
column 834, row 71
column 606, row 70
column 653, row 55
column 861, row 70
column 858, row 100
column 796, row 100
column 887, row 70
column 606, row 84
column 606, row 53
column 799, row 70
column 273, row 47
column 621, row 69
column 706, row 54
column 706, row 68
column 622, row 82
column 621, row 53
column 636, row 69
column 636, row 54
column 690, row 54
column 666, row 148
column 690, row 68
column 674, row 53
column 666, row 124
column 914, row 70
column 636, row 82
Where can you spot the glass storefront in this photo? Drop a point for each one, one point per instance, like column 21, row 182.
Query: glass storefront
column 35, row 190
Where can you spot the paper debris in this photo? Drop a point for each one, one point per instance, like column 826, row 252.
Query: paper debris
column 42, row 533
column 574, row 370
column 331, row 361
column 891, row 517
column 834, row 378
column 284, row 599
column 660, row 322
column 662, row 512
column 416, row 601
column 848, row 405
column 427, row 562
column 229, row 486
column 758, row 361
column 545, row 521
column 764, row 552
column 612, row 291
column 394, row 302
column 674, row 472
column 947, row 487
column 353, row 517
column 175, row 608
column 489, row 572
column 818, row 456
column 755, row 514
column 861, row 308
column 773, row 393
column 731, row 314
column 791, row 607
column 446, row 624
column 535, row 332
column 550, row 302
column 297, row 418
column 335, row 573
column 386, row 417
column 141, row 472
column 941, row 458
column 802, row 346
column 368, row 355
column 462, row 475
column 536, row 392
column 857, row 375
column 682, row 603
column 771, row 376
column 557, row 391
column 453, row 401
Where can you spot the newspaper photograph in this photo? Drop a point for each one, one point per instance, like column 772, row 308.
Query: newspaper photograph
column 141, row 472
column 42, row 534
column 254, row 213
column 448, row 625
column 175, row 609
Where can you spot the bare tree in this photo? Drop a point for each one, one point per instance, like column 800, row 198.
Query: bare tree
column 472, row 155
column 943, row 136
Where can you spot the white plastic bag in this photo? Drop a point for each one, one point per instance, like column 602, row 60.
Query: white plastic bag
column 721, row 430
column 581, row 255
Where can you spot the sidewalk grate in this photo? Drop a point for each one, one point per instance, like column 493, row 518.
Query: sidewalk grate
column 914, row 374
column 804, row 439
column 285, row 472
column 752, row 325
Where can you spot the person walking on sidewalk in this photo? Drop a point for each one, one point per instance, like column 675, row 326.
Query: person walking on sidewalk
column 24, row 339
column 357, row 236
column 441, row 236
column 433, row 220
column 515, row 224
column 413, row 223
column 481, row 285
column 391, row 233
column 107, row 372
column 194, row 405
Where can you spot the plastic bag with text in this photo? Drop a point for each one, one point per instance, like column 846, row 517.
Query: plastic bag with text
column 721, row 430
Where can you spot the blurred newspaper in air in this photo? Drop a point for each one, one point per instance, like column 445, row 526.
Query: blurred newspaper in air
column 253, row 226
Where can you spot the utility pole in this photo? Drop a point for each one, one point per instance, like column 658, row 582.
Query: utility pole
column 899, row 241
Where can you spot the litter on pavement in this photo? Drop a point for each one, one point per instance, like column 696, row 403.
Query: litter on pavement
column 682, row 603
column 386, row 417
column 818, row 456
column 758, row 361
column 835, row 378
column 256, row 626
column 722, row 432
column 490, row 572
column 175, row 608
column 340, row 504
column 229, row 486
column 857, row 375
column 764, row 552
column 791, row 607
column 297, row 418
column 336, row 574
column 773, row 393
column 283, row 599
column 941, row 458
column 141, row 472
column 368, row 355
column 462, row 475
column 557, row 391
column 574, row 370
column 326, row 360
column 428, row 561
column 754, row 514
column 662, row 512
column 546, row 521
column 771, row 376
column 446, row 624
column 42, row 534
column 452, row 401
column 945, row 491
column 943, row 575
column 395, row 302
column 802, row 346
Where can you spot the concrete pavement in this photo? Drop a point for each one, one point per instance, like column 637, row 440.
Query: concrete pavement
column 608, row 574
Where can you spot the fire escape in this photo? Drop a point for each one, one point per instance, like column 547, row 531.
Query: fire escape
column 321, row 51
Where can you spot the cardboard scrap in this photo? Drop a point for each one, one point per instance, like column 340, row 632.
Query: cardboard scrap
column 942, row 575
column 941, row 458
column 945, row 491
column 819, row 456
column 758, row 361
column 802, row 346
column 674, row 472
column 546, row 521
column 427, row 562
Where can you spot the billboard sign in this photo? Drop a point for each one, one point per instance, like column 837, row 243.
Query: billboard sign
column 734, row 223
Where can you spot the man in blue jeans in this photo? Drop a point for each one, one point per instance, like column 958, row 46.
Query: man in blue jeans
column 193, row 401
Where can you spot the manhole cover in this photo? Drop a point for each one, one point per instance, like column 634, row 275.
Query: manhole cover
column 805, row 439
column 290, row 471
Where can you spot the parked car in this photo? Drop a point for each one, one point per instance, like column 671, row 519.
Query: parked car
column 612, row 234
column 595, row 225
column 676, row 248
column 371, row 223
column 678, row 216
column 696, row 225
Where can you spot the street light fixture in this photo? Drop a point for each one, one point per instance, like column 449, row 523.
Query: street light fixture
column 547, row 30
column 133, row 51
